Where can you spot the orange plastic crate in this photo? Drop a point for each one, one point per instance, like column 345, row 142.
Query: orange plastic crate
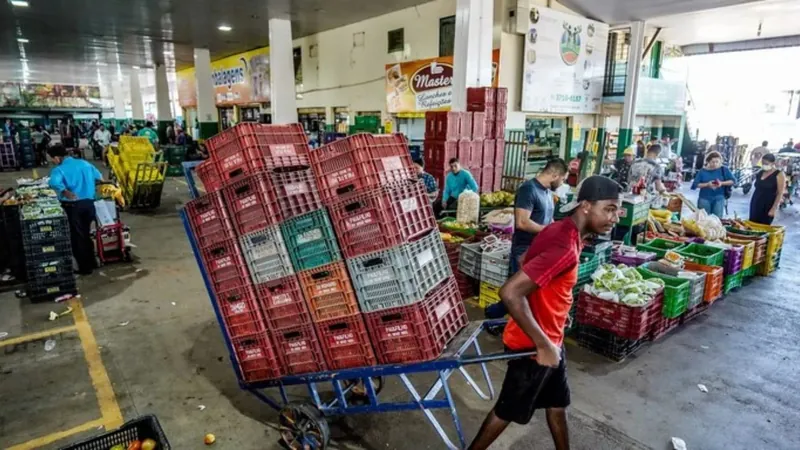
column 714, row 280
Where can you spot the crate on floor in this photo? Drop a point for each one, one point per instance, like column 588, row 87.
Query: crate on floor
column 310, row 240
column 257, row 358
column 282, row 303
column 42, row 252
column 295, row 190
column 225, row 265
column 488, row 295
column 240, row 312
column 676, row 292
column 51, row 288
column 706, row 254
column 361, row 162
column 663, row 326
column 400, row 275
column 660, row 247
column 381, row 218
column 266, row 255
column 209, row 219
column 418, row 332
column 625, row 321
column 299, row 349
column 345, row 342
column 139, row 429
column 46, row 268
column 606, row 343
column 252, row 203
column 694, row 312
column 733, row 260
column 328, row 291
column 732, row 282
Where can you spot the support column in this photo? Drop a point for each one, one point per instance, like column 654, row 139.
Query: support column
column 137, row 106
column 119, row 104
column 631, row 87
column 207, row 114
column 163, row 108
column 472, row 55
column 283, row 100
column 330, row 119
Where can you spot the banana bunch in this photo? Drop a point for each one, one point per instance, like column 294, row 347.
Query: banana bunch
column 661, row 215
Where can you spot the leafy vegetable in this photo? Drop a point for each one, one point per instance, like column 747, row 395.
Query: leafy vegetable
column 623, row 284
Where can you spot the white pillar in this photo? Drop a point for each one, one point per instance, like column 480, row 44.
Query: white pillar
column 206, row 106
column 119, row 100
column 162, row 94
column 472, row 58
column 631, row 87
column 137, row 106
column 283, row 99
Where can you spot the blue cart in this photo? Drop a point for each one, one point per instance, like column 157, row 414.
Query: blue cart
column 355, row 391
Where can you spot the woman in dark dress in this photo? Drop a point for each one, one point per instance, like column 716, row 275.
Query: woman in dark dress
column 770, row 184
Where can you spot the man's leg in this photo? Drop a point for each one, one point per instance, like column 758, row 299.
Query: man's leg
column 557, row 422
column 85, row 213
column 490, row 430
column 70, row 210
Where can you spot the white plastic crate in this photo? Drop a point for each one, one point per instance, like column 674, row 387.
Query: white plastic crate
column 494, row 267
column 469, row 260
column 266, row 255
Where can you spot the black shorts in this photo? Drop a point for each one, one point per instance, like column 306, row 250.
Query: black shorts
column 529, row 386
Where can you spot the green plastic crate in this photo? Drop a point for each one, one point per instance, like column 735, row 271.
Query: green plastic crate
column 310, row 240
column 750, row 272
column 633, row 214
column 732, row 282
column 175, row 171
column 589, row 263
column 703, row 254
column 660, row 246
column 676, row 292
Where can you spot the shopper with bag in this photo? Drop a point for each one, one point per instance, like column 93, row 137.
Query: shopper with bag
column 714, row 182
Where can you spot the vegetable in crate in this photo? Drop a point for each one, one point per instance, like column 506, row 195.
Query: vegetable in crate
column 623, row 284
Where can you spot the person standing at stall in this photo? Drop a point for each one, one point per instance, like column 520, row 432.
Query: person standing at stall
column 74, row 181
column 456, row 182
column 770, row 184
column 650, row 170
column 712, row 181
column 623, row 167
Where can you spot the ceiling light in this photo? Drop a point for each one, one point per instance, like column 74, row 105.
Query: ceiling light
column 22, row 40
column 20, row 3
column 101, row 64
column 224, row 28
column 23, row 60
column 135, row 67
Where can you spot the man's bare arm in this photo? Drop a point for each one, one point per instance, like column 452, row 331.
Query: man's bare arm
column 522, row 221
column 514, row 294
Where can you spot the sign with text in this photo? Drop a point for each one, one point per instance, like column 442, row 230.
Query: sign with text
column 563, row 63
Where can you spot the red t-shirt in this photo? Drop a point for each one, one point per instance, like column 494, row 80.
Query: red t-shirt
column 552, row 263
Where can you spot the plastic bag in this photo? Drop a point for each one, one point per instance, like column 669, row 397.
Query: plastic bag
column 469, row 206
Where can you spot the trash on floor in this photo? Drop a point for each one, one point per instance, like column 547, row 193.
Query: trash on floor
column 3, row 335
column 66, row 297
column 49, row 345
column 678, row 444
column 702, row 388
column 124, row 324
column 54, row 316
column 201, row 407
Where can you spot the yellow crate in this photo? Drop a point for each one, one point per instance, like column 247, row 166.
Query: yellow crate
column 776, row 234
column 489, row 295
column 749, row 250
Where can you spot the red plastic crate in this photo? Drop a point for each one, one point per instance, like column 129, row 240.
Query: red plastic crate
column 328, row 291
column 295, row 190
column 438, row 175
column 497, row 181
column 501, row 112
column 257, row 357
column 465, row 128
column 501, row 96
column 487, row 108
column 240, row 311
column 489, row 128
column 282, row 303
column 481, row 95
column 252, row 203
column 625, row 321
column 439, row 153
column 465, row 152
column 487, row 179
column 476, row 154
column 209, row 219
column 361, row 162
column 382, row 218
column 692, row 314
column 225, row 265
column 249, row 147
column 299, row 350
column 499, row 152
column 489, row 147
column 208, row 174
column 443, row 125
column 418, row 332
column 662, row 326
column 345, row 343
column 478, row 125
column 499, row 128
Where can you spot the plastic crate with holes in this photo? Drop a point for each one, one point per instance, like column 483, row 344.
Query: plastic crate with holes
column 345, row 342
column 240, row 311
column 676, row 291
column 401, row 275
column 606, row 343
column 266, row 255
column 44, row 230
column 282, row 303
column 209, row 176
column 225, row 265
column 589, row 262
column 714, row 280
column 488, row 295
column 328, row 291
column 310, row 240
column 295, row 190
column 361, row 162
column 759, row 238
column 732, row 282
column 299, row 350
column 252, row 203
column 749, row 250
column 257, row 357
column 469, row 260
column 209, row 219
column 704, row 254
column 494, row 264
column 660, row 247
column 625, row 321
column 382, row 218
column 420, row 331
column 139, row 429
column 733, row 259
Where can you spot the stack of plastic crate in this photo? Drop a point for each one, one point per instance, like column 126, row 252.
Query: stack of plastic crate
column 395, row 256
column 8, row 157
column 48, row 257
column 491, row 106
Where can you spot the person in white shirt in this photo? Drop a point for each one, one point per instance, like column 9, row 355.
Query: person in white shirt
column 102, row 136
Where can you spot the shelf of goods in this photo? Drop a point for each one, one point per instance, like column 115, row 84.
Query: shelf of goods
column 323, row 277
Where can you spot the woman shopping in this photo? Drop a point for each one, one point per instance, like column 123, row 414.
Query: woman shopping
column 712, row 181
column 770, row 184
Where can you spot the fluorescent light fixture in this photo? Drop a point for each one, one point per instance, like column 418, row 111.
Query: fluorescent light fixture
column 22, row 40
column 23, row 60
column 20, row 3
column 135, row 67
column 101, row 64
column 224, row 28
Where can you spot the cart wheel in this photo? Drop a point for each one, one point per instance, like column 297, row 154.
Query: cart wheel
column 746, row 188
column 359, row 391
column 303, row 427
column 127, row 256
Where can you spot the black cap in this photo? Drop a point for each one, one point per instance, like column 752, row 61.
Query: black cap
column 593, row 189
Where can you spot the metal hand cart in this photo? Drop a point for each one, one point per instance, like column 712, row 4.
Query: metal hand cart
column 111, row 236
column 304, row 425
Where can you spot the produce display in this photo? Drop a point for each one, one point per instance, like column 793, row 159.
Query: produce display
column 622, row 284
column 147, row 444
column 706, row 226
column 501, row 198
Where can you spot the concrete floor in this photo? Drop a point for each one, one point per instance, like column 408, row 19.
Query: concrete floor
column 169, row 359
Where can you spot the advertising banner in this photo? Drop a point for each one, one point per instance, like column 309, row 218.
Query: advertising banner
column 563, row 63
column 242, row 79
column 187, row 88
column 424, row 84
column 37, row 95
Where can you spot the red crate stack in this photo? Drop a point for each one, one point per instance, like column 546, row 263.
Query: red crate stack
column 492, row 105
column 252, row 203
column 345, row 342
column 209, row 219
column 295, row 190
column 208, row 174
column 283, row 303
column 241, row 312
column 299, row 349
column 225, row 265
column 257, row 357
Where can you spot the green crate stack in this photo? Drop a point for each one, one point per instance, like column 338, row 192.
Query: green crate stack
column 310, row 240
column 703, row 254
column 750, row 272
column 366, row 124
column 732, row 282
column 659, row 246
column 589, row 264
column 676, row 293
column 174, row 156
column 633, row 213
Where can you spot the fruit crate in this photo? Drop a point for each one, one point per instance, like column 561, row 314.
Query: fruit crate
column 252, row 203
column 257, row 358
column 759, row 238
column 588, row 265
column 240, row 312
column 345, row 342
column 382, row 218
column 328, row 291
column 310, row 240
column 702, row 254
column 209, row 176
column 714, row 280
column 359, row 163
column 676, row 292
column 420, row 331
column 266, row 255
column 732, row 282
column 749, row 251
column 733, row 260
column 44, row 230
column 660, row 247
column 51, row 288
column 299, row 349
column 494, row 267
column 225, row 265
column 628, row 322
column 282, row 303
column 606, row 343
column 139, row 429
column 400, row 275
column 209, row 219
column 295, row 190
column 469, row 260
column 488, row 295
column 775, row 237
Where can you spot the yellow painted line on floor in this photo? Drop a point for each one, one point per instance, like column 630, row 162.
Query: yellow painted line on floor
column 112, row 416
column 54, row 437
column 37, row 336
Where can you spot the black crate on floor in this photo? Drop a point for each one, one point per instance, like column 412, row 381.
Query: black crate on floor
column 45, row 269
column 145, row 427
column 13, row 253
column 39, row 252
column 51, row 229
column 606, row 343
column 52, row 288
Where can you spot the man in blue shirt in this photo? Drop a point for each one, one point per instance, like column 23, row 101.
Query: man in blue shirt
column 74, row 181
column 456, row 182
